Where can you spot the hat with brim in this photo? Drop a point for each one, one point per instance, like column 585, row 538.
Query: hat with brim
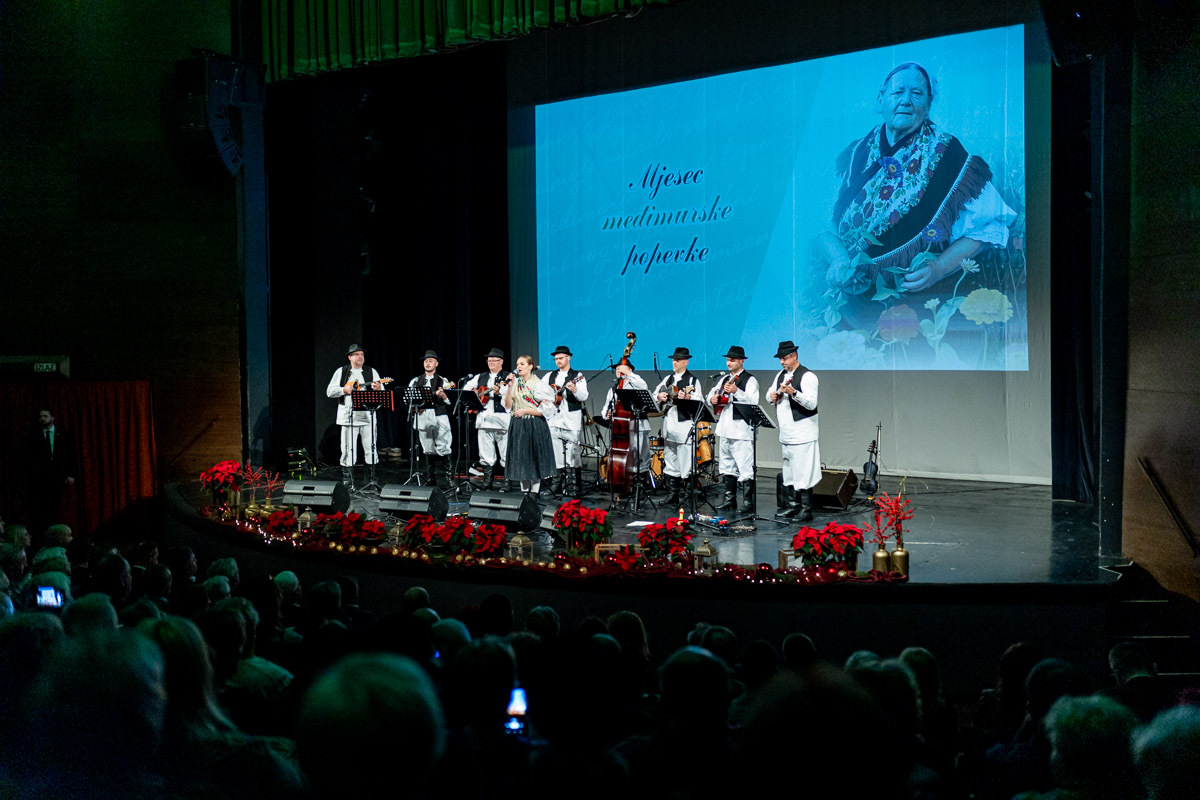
column 786, row 348
column 736, row 352
column 431, row 354
column 562, row 348
column 354, row 348
column 680, row 354
column 495, row 352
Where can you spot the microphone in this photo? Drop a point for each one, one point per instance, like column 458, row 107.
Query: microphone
column 656, row 362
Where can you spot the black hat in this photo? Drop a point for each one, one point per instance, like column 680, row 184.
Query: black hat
column 562, row 348
column 736, row 352
column 680, row 354
column 495, row 352
column 430, row 354
column 354, row 348
column 786, row 348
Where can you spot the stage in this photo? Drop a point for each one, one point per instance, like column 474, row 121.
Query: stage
column 962, row 532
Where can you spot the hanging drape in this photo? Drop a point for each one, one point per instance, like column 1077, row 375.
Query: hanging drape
column 111, row 427
column 306, row 37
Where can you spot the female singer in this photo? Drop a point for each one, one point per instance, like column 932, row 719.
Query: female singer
column 530, row 451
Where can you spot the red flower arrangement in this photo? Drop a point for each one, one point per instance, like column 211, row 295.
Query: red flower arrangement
column 582, row 528
column 281, row 523
column 890, row 513
column 457, row 535
column 832, row 544
column 222, row 475
column 350, row 528
column 626, row 558
column 671, row 539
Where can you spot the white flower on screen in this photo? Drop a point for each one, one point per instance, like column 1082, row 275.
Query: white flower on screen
column 847, row 350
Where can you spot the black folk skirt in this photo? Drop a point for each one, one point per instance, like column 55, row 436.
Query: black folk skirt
column 530, row 450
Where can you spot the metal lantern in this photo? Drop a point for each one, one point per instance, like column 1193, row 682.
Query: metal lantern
column 307, row 519
column 520, row 547
column 707, row 559
column 394, row 534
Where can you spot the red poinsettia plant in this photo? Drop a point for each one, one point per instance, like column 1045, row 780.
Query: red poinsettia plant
column 890, row 513
column 222, row 475
column 457, row 535
column 672, row 539
column 832, row 544
column 626, row 558
column 350, row 528
column 582, row 528
column 281, row 523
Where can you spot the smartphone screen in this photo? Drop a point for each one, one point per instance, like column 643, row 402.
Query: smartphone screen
column 516, row 711
column 49, row 597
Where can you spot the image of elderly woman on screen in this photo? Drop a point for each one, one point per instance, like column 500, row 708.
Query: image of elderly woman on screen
column 911, row 204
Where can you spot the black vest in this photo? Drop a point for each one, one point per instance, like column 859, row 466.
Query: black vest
column 366, row 371
column 797, row 409
column 501, row 377
column 435, row 383
column 568, row 395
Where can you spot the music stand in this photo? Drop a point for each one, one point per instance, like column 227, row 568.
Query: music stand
column 415, row 397
column 639, row 402
column 753, row 415
column 464, row 403
column 371, row 400
column 695, row 411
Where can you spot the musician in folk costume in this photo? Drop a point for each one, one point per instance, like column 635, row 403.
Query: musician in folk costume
column 794, row 394
column 433, row 422
column 530, row 400
column 355, row 425
column 642, row 446
column 566, row 425
column 491, row 424
column 677, row 430
column 736, row 451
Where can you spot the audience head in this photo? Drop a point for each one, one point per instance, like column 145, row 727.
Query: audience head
column 1090, row 745
column 58, row 535
column 112, row 575
column 91, row 614
column 416, row 597
column 216, row 589
column 13, row 561
column 157, row 581
column 722, row 643
column 449, row 636
column 1049, row 680
column 894, row 688
column 182, row 561
column 481, row 681
column 689, row 673
column 137, row 612
column 544, row 621
column 629, row 631
column 860, row 658
column 288, row 584
column 496, row 615
column 146, row 553
column 325, row 600
column 1167, row 752
column 1129, row 660
column 225, row 631
column 349, row 586
column 50, row 559
column 192, row 711
column 227, row 567
column 363, row 715
column 924, row 668
column 799, row 652
column 18, row 535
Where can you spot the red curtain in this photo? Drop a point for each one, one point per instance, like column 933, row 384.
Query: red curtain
column 112, row 424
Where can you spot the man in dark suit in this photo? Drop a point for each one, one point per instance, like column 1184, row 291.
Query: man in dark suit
column 51, row 460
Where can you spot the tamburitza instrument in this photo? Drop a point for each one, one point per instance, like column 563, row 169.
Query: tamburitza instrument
column 656, row 441
column 656, row 465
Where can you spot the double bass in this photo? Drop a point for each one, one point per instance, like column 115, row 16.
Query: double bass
column 620, row 454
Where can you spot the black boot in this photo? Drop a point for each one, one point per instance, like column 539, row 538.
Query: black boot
column 748, row 500
column 488, row 472
column 674, row 484
column 441, row 471
column 730, row 502
column 348, row 477
column 788, row 505
column 556, row 484
column 806, row 500
column 576, row 489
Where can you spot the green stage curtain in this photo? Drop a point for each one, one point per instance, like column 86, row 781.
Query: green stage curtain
column 306, row 37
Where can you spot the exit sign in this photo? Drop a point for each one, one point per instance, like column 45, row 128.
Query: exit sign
column 45, row 366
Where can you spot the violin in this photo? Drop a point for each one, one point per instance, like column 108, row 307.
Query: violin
column 870, row 479
column 621, row 456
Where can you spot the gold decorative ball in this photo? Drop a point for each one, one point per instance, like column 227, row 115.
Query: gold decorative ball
column 504, row 561
column 374, row 550
column 413, row 555
column 458, row 558
column 551, row 565
column 843, row 573
column 350, row 549
column 566, row 567
column 395, row 551
column 526, row 562
column 340, row 548
column 332, row 545
column 583, row 570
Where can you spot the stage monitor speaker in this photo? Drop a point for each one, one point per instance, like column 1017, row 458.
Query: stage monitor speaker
column 328, row 497
column 516, row 511
column 402, row 500
column 836, row 488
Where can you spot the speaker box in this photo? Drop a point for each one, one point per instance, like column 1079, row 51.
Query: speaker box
column 835, row 489
column 328, row 497
column 208, row 92
column 402, row 500
column 514, row 510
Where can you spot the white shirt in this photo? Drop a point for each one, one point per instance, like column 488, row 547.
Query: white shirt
column 489, row 418
column 728, row 425
column 346, row 415
column 676, row 429
column 565, row 418
column 793, row 428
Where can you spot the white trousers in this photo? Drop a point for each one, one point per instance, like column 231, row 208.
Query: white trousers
column 678, row 458
column 491, row 441
column 434, row 432
column 801, row 465
column 351, row 434
column 737, row 458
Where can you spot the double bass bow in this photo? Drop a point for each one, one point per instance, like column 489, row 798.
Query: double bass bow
column 620, row 456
